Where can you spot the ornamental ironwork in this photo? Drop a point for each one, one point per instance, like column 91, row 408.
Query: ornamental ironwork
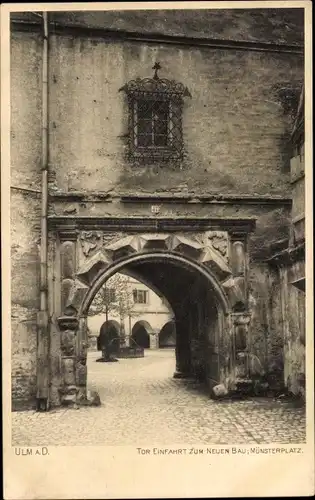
column 155, row 118
column 155, row 85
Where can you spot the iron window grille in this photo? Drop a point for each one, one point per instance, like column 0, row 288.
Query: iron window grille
column 155, row 118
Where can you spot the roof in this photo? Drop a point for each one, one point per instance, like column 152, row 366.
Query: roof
column 273, row 25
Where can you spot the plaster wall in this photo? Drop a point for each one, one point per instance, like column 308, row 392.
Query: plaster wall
column 235, row 125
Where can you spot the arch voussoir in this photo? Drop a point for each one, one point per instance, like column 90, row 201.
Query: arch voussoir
column 155, row 241
column 235, row 289
column 186, row 246
column 124, row 247
column 92, row 267
column 76, row 296
column 213, row 260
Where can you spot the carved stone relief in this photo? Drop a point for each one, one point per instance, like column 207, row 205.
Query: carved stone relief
column 219, row 241
column 241, row 331
column 90, row 240
column 67, row 341
column 93, row 241
column 110, row 238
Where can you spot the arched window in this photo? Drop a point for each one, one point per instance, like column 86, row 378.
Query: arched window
column 155, row 118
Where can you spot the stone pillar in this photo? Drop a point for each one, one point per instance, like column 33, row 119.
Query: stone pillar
column 81, row 358
column 198, row 369
column 238, row 258
column 239, row 267
column 182, row 351
column 154, row 341
column 197, row 331
column 240, row 343
column 74, row 347
column 68, row 326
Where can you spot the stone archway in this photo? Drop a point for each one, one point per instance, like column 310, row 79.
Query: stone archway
column 206, row 334
column 167, row 335
column 141, row 332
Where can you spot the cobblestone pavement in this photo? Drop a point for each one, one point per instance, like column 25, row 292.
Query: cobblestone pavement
column 144, row 405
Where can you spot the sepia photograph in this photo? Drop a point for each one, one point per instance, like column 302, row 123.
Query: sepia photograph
column 158, row 229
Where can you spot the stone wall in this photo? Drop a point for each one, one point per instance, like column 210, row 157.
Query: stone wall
column 293, row 317
column 266, row 338
column 25, row 217
column 25, row 212
column 269, row 25
column 288, row 267
column 235, row 125
column 298, row 177
column 279, row 327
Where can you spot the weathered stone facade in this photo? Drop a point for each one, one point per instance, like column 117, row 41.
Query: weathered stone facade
column 208, row 221
column 288, row 261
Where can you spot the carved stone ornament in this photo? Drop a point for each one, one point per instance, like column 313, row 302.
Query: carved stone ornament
column 219, row 241
column 67, row 323
column 202, row 252
column 67, row 340
column 241, row 330
column 90, row 240
column 241, row 318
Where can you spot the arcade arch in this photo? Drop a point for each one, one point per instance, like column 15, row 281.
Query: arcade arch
column 167, row 335
column 141, row 332
column 109, row 335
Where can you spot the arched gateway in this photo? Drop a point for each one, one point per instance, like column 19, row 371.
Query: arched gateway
column 203, row 277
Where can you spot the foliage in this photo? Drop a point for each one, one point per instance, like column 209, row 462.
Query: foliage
column 114, row 297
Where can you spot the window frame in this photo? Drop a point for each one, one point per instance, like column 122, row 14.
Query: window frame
column 134, row 128
column 137, row 293
column 152, row 90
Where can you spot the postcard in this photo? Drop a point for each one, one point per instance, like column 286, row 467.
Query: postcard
column 157, row 250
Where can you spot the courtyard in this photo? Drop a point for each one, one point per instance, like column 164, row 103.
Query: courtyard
column 143, row 405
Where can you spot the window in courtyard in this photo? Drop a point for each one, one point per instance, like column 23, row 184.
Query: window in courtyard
column 140, row 296
column 155, row 118
column 110, row 294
